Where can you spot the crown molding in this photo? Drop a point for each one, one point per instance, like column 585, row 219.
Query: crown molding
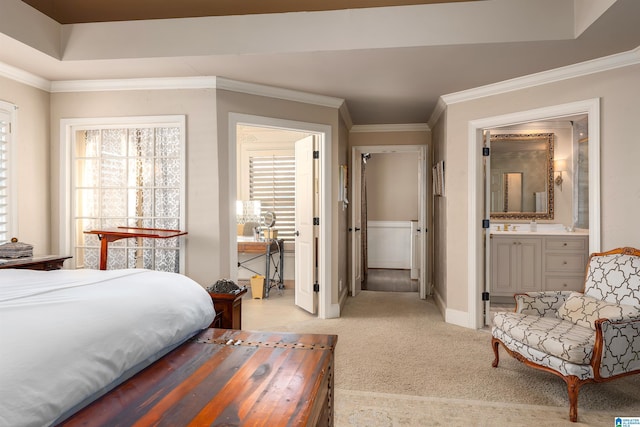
column 606, row 63
column 346, row 116
column 163, row 83
column 440, row 108
column 276, row 92
column 409, row 127
column 205, row 82
column 24, row 77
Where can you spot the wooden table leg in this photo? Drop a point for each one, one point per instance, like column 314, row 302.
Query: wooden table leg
column 267, row 279
column 104, row 243
column 281, row 253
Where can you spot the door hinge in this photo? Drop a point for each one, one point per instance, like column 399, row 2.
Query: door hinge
column 316, row 220
column 316, row 154
column 316, row 287
column 486, row 151
column 485, row 296
column 486, row 223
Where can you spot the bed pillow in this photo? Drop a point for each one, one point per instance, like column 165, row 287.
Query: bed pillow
column 585, row 310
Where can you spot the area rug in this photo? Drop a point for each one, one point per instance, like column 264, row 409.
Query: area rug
column 399, row 364
column 370, row 409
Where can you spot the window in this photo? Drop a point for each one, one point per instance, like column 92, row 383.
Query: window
column 8, row 203
column 128, row 176
column 272, row 182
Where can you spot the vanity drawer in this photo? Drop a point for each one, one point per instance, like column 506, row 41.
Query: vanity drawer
column 571, row 243
column 564, row 283
column 565, row 262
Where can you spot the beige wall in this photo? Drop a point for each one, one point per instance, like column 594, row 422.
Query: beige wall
column 392, row 187
column 234, row 102
column 344, row 262
column 207, row 118
column 203, row 255
column 619, row 91
column 439, row 222
column 33, row 173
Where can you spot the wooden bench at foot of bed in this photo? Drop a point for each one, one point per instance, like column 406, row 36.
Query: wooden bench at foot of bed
column 227, row 377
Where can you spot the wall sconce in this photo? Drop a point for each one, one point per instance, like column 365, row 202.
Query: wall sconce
column 559, row 166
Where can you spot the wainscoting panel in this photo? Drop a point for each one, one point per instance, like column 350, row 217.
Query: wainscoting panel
column 389, row 244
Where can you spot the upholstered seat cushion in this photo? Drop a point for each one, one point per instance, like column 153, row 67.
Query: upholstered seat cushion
column 584, row 310
column 554, row 336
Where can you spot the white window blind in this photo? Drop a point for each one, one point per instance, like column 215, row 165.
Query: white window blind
column 272, row 182
column 6, row 202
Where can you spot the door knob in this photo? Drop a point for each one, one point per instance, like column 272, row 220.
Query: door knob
column 297, row 233
column 357, row 229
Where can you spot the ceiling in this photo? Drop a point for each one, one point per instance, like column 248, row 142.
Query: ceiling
column 390, row 63
column 77, row 11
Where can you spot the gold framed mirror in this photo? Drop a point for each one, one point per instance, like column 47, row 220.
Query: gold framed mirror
column 521, row 176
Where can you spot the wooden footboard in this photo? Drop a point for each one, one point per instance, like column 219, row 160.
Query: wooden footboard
column 227, row 377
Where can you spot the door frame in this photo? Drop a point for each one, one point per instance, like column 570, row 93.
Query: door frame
column 475, row 251
column 423, row 185
column 325, row 308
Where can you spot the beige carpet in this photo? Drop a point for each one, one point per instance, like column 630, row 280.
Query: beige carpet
column 399, row 364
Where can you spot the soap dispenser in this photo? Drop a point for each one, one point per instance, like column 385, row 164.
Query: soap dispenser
column 533, row 226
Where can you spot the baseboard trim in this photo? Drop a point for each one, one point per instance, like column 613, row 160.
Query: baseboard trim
column 455, row 317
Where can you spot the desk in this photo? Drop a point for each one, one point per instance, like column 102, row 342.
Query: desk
column 45, row 262
column 112, row 234
column 268, row 249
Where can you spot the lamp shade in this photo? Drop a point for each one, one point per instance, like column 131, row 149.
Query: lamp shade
column 560, row 165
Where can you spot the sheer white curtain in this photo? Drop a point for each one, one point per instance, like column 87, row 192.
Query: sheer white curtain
column 128, row 176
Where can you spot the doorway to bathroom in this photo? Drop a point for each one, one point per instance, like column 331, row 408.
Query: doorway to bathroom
column 537, row 260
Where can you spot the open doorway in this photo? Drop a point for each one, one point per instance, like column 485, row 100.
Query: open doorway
column 545, row 209
column 390, row 183
column 481, row 255
column 257, row 134
column 388, row 232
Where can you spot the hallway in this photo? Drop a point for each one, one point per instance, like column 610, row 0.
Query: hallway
column 389, row 280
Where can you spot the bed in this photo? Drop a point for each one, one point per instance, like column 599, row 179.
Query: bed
column 69, row 336
column 135, row 347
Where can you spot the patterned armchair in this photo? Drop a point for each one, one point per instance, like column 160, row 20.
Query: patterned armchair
column 586, row 337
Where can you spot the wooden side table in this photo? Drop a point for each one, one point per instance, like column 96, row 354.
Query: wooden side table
column 46, row 262
column 230, row 307
column 112, row 234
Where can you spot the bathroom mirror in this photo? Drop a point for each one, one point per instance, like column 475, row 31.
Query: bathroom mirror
column 522, row 176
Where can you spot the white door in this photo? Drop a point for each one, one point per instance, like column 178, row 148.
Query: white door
column 487, row 234
column 356, row 221
column 422, row 220
column 305, row 272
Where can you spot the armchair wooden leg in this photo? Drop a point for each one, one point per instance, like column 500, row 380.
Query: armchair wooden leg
column 573, row 387
column 495, row 343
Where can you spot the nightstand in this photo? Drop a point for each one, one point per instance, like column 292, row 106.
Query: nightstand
column 46, row 262
column 230, row 307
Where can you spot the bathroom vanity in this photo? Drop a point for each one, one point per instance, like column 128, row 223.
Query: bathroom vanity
column 548, row 259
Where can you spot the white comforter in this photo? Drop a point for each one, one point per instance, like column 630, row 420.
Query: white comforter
column 67, row 336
